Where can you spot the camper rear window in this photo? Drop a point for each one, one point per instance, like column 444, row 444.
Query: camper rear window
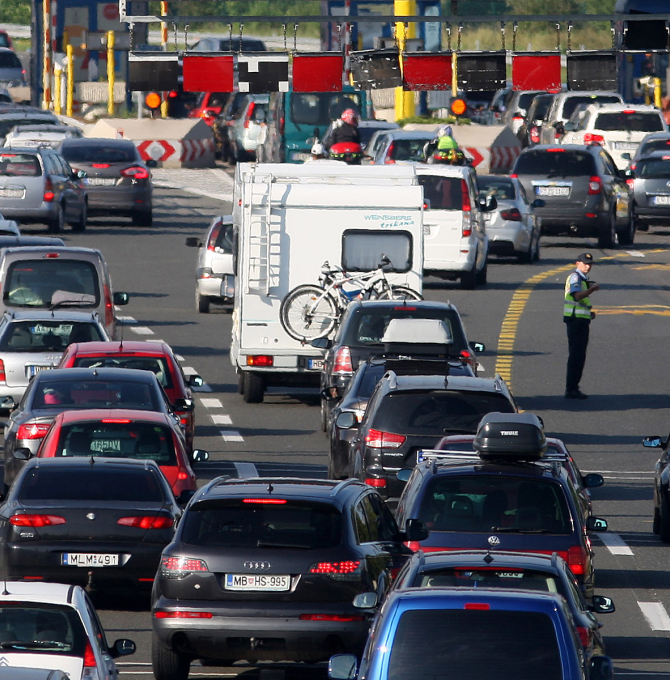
column 362, row 250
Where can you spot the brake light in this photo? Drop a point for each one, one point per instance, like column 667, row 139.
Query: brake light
column 577, row 560
column 49, row 190
column 377, row 439
column 3, row 377
column 534, row 135
column 100, row 165
column 109, row 306
column 122, row 421
column 36, row 520
column 555, row 150
column 477, row 606
column 260, row 360
column 628, row 111
column 32, row 431
column 512, row 215
column 630, row 182
column 52, row 256
column 182, row 475
column 376, row 482
column 389, row 154
column 159, row 522
column 595, row 186
column 265, row 501
column 584, row 636
column 329, row 617
column 517, row 118
column 465, row 196
column 211, row 244
column 342, row 362
column 183, row 615
column 136, row 172
column 590, row 138
column 89, row 656
column 282, row 123
column 467, row 356
column 345, row 567
column 181, row 566
column 250, row 112
column 514, row 176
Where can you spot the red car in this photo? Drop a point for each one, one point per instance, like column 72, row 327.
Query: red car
column 156, row 357
column 124, row 433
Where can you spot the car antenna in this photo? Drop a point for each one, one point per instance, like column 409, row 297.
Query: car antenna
column 270, row 488
column 5, row 591
column 92, row 461
column 121, row 342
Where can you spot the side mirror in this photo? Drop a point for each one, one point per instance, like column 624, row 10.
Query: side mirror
column 193, row 242
column 342, row 667
column 626, row 156
column 596, row 524
column 23, row 454
column 346, row 421
column 601, row 668
column 122, row 647
column 195, row 380
column 404, row 474
column 415, row 530
column 321, row 343
column 602, row 605
column 653, row 442
column 183, row 405
column 151, row 163
column 199, row 455
column 592, row 480
column 329, row 394
column 79, row 174
column 185, row 496
column 477, row 346
column 538, row 203
column 121, row 299
column 365, row 600
column 488, row 204
column 7, row 403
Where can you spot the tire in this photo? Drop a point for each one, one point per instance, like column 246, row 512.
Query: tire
column 302, row 322
column 168, row 665
column 400, row 293
column 325, row 414
column 143, row 218
column 240, row 382
column 254, row 388
column 664, row 523
column 80, row 225
column 202, row 303
column 55, row 225
column 607, row 232
column 532, row 254
column 655, row 525
column 627, row 236
column 483, row 275
column 469, row 279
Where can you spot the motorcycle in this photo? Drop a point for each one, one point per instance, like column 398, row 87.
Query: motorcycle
column 349, row 152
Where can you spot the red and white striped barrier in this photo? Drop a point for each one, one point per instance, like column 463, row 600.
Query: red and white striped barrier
column 172, row 151
column 499, row 159
column 193, row 149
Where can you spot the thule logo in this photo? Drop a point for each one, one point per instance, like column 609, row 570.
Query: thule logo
column 509, row 433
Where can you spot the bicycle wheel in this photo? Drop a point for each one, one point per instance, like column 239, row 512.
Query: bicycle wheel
column 306, row 313
column 400, row 293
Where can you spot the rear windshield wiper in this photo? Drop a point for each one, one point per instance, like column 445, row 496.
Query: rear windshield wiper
column 516, row 530
column 266, row 544
column 71, row 303
column 33, row 644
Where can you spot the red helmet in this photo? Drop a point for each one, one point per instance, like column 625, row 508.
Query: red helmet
column 349, row 116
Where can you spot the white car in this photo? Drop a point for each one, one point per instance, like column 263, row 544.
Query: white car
column 53, row 626
column 619, row 128
column 30, row 136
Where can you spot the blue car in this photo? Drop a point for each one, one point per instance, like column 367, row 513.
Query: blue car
column 472, row 634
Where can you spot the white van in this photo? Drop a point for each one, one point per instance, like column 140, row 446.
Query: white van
column 288, row 223
column 455, row 242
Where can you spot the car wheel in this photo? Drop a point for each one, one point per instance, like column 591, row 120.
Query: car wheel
column 607, row 232
column 325, row 414
column 664, row 528
column 627, row 236
column 482, row 276
column 168, row 665
column 469, row 279
column 143, row 218
column 55, row 225
column 655, row 525
column 80, row 225
column 201, row 303
column 240, row 382
column 254, row 388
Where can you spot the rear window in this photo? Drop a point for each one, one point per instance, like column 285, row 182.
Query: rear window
column 542, row 105
column 9, row 60
column 408, row 149
column 58, row 282
column 101, row 483
column 571, row 103
column 240, row 524
column 363, row 249
column 437, row 412
column 6, row 124
column 656, row 168
column 485, row 503
column 95, row 394
column 443, row 193
column 321, row 108
column 510, row 579
column 633, row 122
column 477, row 645
column 561, row 163
column 157, row 365
column 368, row 382
column 114, row 153
column 19, row 165
column 654, row 145
column 143, row 441
column 41, row 628
column 525, row 100
column 503, row 189
column 43, row 336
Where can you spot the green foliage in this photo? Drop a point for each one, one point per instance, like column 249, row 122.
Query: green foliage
column 15, row 11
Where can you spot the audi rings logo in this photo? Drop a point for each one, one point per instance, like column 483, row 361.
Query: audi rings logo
column 257, row 566
column 494, row 541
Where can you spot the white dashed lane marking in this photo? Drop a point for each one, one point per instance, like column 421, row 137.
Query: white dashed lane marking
column 218, row 419
column 180, row 357
column 246, row 470
column 126, row 319
column 231, row 436
column 141, row 330
column 615, row 544
column 211, row 402
column 189, row 370
column 656, row 616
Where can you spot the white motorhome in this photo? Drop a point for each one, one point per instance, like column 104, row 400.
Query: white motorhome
column 288, row 223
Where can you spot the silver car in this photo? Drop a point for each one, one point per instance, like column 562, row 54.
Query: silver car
column 513, row 228
column 33, row 341
column 215, row 273
column 11, row 116
column 650, row 182
column 249, row 130
column 30, row 136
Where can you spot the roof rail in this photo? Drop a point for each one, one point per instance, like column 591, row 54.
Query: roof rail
column 446, row 456
column 343, row 484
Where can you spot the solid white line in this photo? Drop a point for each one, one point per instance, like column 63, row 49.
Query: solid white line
column 211, row 403
column 622, row 472
column 141, row 330
column 656, row 616
column 231, row 436
column 220, row 419
column 246, row 470
column 638, row 479
column 615, row 544
column 189, row 370
column 126, row 319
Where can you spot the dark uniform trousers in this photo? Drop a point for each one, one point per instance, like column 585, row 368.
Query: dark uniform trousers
column 578, row 340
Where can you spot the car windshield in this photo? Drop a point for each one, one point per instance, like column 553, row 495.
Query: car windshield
column 485, row 503
column 442, row 193
column 251, row 523
column 635, row 121
column 157, row 365
column 556, row 163
column 501, row 188
column 654, row 168
column 571, row 103
column 20, row 165
column 95, row 393
column 59, row 282
column 320, row 108
column 91, row 483
column 121, row 439
column 407, row 149
column 508, row 578
column 457, row 644
column 41, row 628
column 46, row 335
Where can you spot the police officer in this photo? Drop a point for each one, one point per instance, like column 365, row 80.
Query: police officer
column 577, row 315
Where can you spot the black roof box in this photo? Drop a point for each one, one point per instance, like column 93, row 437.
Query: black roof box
column 512, row 436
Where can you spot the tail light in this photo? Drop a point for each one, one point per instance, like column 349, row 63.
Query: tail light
column 250, row 113
column 183, row 615
column 577, row 560
column 211, row 243
column 345, row 567
column 467, row 356
column 32, row 431
column 466, row 207
column 182, row 475
column 534, row 134
column 3, row 377
column 590, row 138
column 342, row 362
column 89, row 657
column 584, row 636
column 330, row 617
column 144, row 522
column 36, row 520
column 177, row 567
column 49, row 190
column 518, row 119
column 631, row 182
column 477, row 606
column 595, row 185
column 109, row 306
column 183, row 417
column 136, row 172
column 389, row 154
column 262, row 360
column 376, row 482
column 377, row 439
column 512, row 215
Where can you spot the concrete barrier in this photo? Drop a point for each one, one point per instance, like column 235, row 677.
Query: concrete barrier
column 184, row 143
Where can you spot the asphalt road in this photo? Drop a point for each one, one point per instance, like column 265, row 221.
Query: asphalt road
column 627, row 376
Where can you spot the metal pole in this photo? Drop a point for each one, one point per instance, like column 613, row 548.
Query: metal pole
column 46, row 54
column 404, row 101
column 58, row 71
column 69, row 50
column 164, row 45
column 454, row 74
column 110, row 72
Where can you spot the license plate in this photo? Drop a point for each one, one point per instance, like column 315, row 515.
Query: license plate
column 257, row 582
column 626, row 146
column 90, row 560
column 316, row 364
column 661, row 200
column 11, row 193
column 300, row 156
column 101, row 181
column 34, row 370
column 552, row 191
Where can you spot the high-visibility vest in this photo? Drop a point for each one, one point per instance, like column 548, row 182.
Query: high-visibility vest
column 446, row 142
column 572, row 308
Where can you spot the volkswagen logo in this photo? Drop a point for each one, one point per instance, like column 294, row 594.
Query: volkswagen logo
column 257, row 566
column 91, row 516
column 494, row 541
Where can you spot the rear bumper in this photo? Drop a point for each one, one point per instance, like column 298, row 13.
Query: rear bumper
column 557, row 219
column 504, row 239
column 217, row 286
column 105, row 200
column 658, row 215
column 29, row 215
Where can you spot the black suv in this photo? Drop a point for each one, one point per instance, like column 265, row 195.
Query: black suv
column 267, row 569
column 409, row 413
column 583, row 191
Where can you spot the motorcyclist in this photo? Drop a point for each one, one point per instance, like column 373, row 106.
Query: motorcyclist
column 444, row 148
column 317, row 152
column 345, row 129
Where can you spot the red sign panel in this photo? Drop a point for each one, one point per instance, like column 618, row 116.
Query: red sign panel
column 537, row 71
column 426, row 70
column 318, row 72
column 210, row 73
